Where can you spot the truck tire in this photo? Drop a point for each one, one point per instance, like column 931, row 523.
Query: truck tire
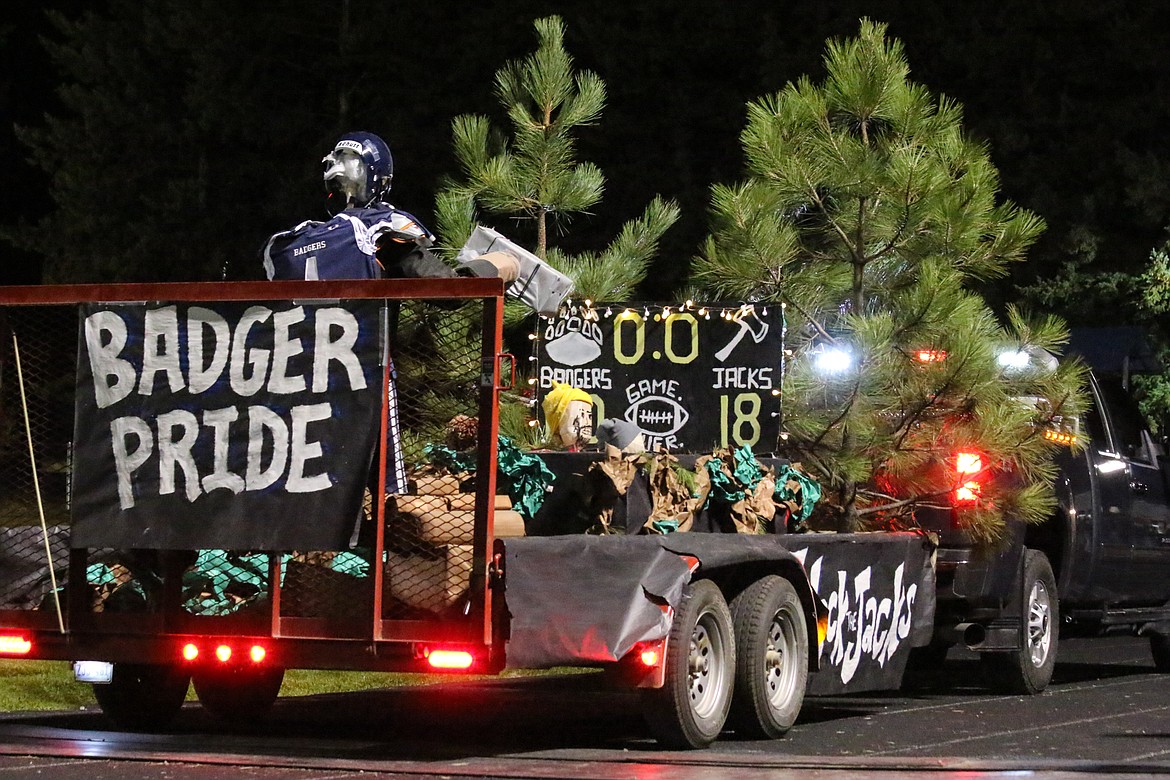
column 143, row 697
column 238, row 694
column 690, row 709
column 1029, row 670
column 771, row 658
column 1160, row 649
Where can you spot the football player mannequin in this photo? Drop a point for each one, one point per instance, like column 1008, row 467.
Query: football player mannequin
column 367, row 237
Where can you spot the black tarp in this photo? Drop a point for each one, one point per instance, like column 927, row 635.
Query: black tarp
column 591, row 599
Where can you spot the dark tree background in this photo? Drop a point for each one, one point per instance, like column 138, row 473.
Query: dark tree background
column 184, row 132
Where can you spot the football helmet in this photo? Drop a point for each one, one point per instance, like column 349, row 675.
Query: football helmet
column 357, row 172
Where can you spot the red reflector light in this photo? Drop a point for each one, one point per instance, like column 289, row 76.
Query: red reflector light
column 257, row 654
column 190, row 652
column 14, row 645
column 650, row 657
column 223, row 653
column 450, row 659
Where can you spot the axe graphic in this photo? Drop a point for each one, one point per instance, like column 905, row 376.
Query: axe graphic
column 749, row 322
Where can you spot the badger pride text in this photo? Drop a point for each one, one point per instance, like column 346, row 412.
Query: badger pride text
column 221, row 358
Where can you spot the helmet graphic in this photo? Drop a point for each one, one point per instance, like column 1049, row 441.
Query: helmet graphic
column 357, row 172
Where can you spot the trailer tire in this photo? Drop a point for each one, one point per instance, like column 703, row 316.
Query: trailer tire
column 1160, row 649
column 143, row 697
column 238, row 694
column 690, row 709
column 771, row 652
column 1029, row 670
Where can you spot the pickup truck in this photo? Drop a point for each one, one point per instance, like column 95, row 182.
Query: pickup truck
column 1100, row 565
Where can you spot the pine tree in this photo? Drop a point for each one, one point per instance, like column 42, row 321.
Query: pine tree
column 1154, row 390
column 532, row 176
column 869, row 214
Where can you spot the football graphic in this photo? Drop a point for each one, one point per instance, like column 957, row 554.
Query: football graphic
column 658, row 415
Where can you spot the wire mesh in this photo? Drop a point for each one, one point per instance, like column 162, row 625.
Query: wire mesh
column 430, row 525
column 45, row 341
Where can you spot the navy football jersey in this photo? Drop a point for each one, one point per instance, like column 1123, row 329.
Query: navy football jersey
column 345, row 247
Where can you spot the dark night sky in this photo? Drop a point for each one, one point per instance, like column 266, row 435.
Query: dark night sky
column 1071, row 97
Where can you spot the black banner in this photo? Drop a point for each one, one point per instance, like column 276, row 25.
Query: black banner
column 239, row 426
column 691, row 378
column 877, row 593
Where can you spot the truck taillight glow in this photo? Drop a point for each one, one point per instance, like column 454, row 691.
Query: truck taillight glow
column 223, row 653
column 257, row 653
column 650, row 657
column 190, row 652
column 968, row 463
column 450, row 659
column 14, row 645
column 968, row 493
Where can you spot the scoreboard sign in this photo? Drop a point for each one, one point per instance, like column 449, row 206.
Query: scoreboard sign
column 691, row 378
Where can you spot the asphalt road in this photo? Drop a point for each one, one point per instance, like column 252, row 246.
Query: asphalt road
column 1106, row 713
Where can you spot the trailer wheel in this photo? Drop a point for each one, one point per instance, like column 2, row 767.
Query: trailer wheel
column 771, row 650
column 238, row 694
column 1029, row 670
column 143, row 697
column 1160, row 649
column 690, row 709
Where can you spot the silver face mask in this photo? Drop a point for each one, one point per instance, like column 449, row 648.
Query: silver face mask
column 345, row 178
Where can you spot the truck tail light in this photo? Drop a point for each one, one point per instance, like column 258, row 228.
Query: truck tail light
column 14, row 644
column 223, row 653
column 190, row 651
column 967, row 465
column 257, row 653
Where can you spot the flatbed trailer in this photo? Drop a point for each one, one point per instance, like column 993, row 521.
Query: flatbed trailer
column 186, row 473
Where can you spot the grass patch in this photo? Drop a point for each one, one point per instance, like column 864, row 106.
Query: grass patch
column 49, row 685
column 42, row 685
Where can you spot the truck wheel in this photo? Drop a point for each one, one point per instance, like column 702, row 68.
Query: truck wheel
column 1029, row 670
column 1160, row 649
column 143, row 697
column 690, row 709
column 238, row 694
column 771, row 658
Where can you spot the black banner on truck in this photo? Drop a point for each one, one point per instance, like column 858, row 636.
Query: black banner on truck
column 691, row 378
column 226, row 425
